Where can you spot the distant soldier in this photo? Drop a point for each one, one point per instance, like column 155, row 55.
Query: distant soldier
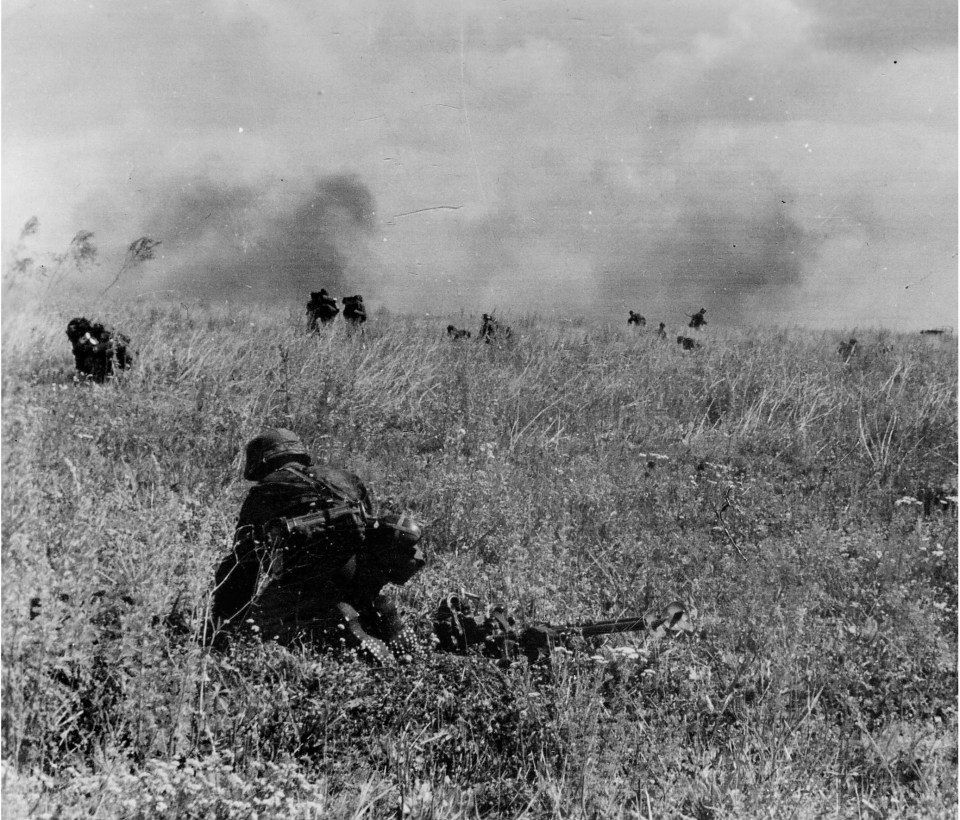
column 354, row 311
column 687, row 343
column 636, row 319
column 848, row 350
column 662, row 331
column 97, row 349
column 454, row 333
column 697, row 319
column 309, row 560
column 321, row 309
column 492, row 331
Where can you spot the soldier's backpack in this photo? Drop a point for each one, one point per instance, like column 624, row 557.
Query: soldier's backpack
column 335, row 527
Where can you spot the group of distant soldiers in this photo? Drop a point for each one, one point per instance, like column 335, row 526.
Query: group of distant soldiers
column 99, row 351
column 322, row 309
column 491, row 331
column 697, row 321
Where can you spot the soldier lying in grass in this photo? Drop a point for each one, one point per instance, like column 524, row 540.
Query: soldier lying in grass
column 310, row 561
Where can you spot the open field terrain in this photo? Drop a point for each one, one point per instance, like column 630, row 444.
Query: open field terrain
column 583, row 472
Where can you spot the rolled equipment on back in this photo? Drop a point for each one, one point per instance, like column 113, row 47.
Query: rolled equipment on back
column 337, row 529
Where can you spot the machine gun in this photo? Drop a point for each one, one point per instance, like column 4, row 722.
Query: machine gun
column 498, row 635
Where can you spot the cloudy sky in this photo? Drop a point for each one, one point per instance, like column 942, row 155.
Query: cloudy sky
column 772, row 160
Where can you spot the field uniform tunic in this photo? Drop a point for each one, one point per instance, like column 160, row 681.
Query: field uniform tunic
column 296, row 595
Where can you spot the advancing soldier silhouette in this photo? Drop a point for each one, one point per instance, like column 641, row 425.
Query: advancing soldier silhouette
column 455, row 333
column 97, row 348
column 697, row 319
column 687, row 343
column 310, row 561
column 848, row 350
column 354, row 311
column 636, row 319
column 492, row 331
column 322, row 308
column 662, row 331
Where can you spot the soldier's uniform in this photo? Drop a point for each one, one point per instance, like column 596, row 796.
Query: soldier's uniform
column 321, row 309
column 310, row 561
column 353, row 310
column 97, row 348
column 492, row 331
column 848, row 350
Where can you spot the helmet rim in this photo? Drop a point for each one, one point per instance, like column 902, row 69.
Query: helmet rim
column 269, row 450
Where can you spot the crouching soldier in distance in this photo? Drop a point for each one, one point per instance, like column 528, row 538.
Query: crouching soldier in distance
column 310, row 560
column 97, row 349
column 493, row 331
column 455, row 333
column 848, row 350
column 321, row 309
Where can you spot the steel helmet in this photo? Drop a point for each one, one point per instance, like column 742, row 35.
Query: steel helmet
column 270, row 450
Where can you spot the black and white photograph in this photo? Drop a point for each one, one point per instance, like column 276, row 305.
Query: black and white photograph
column 464, row 409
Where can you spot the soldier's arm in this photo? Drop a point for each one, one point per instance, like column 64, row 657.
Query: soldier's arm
column 360, row 638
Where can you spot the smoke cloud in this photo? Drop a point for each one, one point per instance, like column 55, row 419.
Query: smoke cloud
column 786, row 161
column 268, row 241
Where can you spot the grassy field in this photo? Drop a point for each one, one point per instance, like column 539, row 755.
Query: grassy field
column 583, row 472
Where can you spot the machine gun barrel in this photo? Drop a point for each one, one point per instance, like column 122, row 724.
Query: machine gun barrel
column 669, row 617
column 631, row 623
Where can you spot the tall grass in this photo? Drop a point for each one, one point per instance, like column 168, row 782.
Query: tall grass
column 581, row 472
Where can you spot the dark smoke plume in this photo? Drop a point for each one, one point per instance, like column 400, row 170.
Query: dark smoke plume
column 714, row 242
column 736, row 265
column 239, row 241
column 319, row 241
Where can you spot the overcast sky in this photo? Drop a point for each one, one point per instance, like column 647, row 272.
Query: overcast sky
column 771, row 161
